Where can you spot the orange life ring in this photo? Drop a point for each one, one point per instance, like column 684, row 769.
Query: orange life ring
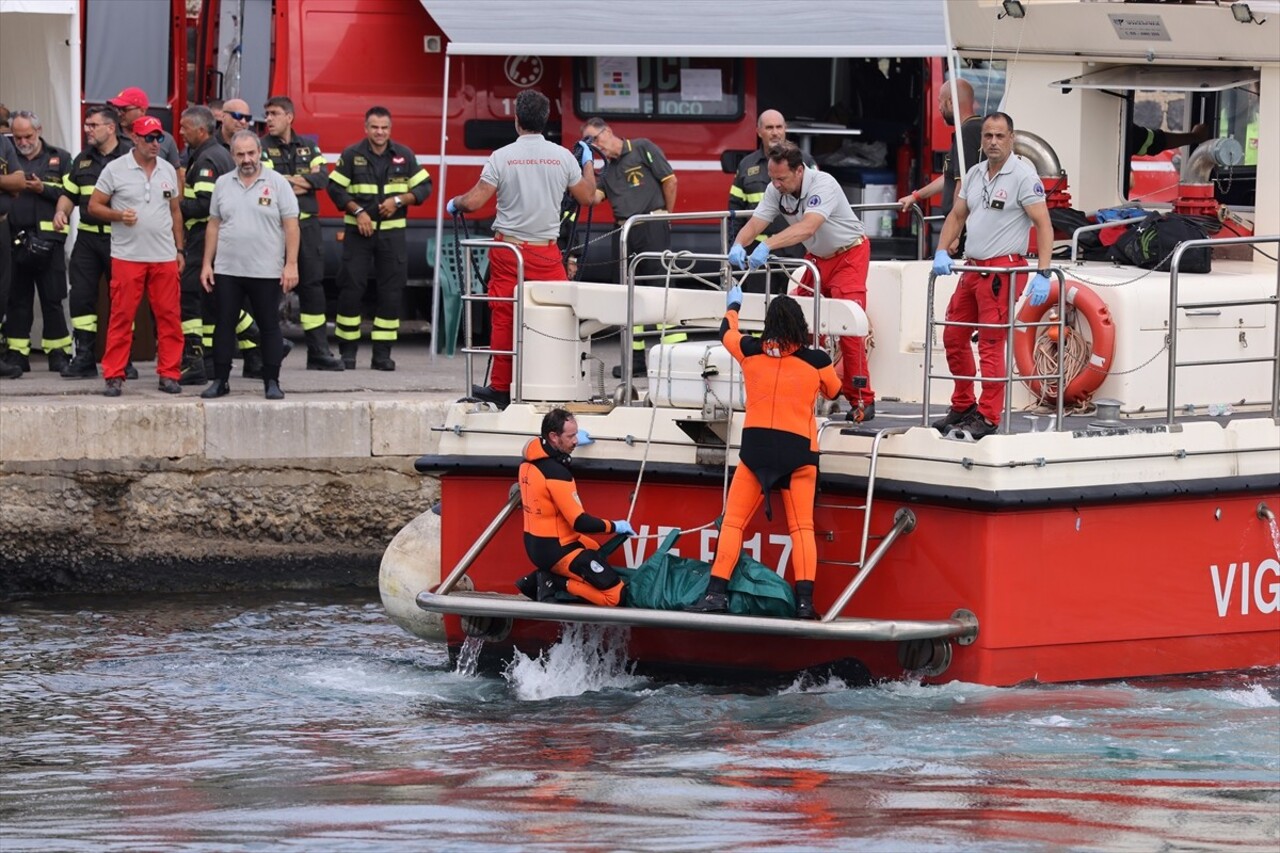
column 1102, row 332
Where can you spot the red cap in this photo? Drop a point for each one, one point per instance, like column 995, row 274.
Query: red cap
column 130, row 97
column 147, row 124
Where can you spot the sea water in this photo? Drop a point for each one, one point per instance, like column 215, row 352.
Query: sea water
column 290, row 722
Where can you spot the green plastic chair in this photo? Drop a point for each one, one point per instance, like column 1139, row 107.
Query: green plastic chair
column 451, row 278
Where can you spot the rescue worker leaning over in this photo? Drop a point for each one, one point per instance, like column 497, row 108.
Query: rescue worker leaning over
column 206, row 162
column 747, row 191
column 783, row 378
column 91, row 254
column 303, row 166
column 374, row 183
column 557, row 530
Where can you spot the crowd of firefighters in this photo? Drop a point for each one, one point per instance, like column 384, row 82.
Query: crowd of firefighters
column 373, row 184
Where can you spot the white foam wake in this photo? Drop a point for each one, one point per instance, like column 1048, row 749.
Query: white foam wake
column 585, row 658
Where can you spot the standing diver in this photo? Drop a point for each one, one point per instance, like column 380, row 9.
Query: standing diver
column 779, row 442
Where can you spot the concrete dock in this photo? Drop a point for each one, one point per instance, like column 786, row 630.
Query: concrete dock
column 151, row 491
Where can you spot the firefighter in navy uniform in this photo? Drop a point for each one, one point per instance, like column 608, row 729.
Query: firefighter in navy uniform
column 91, row 254
column 39, row 269
column 374, row 183
column 11, row 181
column 747, row 189
column 637, row 179
column 303, row 166
column 206, row 161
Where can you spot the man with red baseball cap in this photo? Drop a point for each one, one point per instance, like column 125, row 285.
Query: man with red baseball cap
column 139, row 194
column 133, row 104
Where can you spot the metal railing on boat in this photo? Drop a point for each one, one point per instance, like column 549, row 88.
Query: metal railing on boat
column 1174, row 306
column 1008, row 378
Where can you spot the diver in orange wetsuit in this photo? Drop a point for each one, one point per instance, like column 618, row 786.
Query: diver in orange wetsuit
column 556, row 527
column 784, row 376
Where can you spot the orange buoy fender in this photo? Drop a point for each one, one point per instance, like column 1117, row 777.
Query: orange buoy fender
column 1102, row 332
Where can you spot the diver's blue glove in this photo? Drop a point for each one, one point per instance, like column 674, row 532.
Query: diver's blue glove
column 623, row 526
column 738, row 256
column 1039, row 289
column 942, row 263
column 583, row 150
column 584, row 438
column 451, row 208
column 760, row 256
column 733, row 297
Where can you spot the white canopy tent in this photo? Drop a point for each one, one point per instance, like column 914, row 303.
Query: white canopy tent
column 40, row 65
column 742, row 28
column 754, row 28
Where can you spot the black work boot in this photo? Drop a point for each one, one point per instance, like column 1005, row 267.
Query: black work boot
column 638, row 367
column 349, row 349
column 9, row 370
column 82, row 365
column 252, row 363
column 191, row 370
column 382, row 357
column 16, row 359
column 58, row 360
column 804, row 600
column 319, row 356
column 716, row 600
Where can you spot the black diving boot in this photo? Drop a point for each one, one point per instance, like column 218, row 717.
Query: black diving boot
column 804, row 600
column 716, row 600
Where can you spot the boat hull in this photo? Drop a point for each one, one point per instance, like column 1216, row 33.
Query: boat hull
column 1131, row 586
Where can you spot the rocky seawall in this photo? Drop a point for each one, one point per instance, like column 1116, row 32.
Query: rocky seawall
column 143, row 495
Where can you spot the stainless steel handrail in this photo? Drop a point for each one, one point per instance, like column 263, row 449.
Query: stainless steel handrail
column 1010, row 329
column 468, row 350
column 1174, row 305
column 917, row 213
column 904, row 521
column 513, row 501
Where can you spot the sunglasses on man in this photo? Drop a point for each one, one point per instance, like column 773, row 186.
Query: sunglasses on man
column 153, row 138
column 239, row 116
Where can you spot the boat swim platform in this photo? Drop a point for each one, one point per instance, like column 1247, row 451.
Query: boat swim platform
column 963, row 625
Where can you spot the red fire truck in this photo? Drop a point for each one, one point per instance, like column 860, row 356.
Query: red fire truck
column 856, row 79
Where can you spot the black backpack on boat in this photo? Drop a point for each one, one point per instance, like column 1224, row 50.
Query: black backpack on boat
column 1150, row 243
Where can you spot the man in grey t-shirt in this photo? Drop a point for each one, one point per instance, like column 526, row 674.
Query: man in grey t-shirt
column 138, row 193
column 530, row 177
column 819, row 218
column 1000, row 200
column 250, row 250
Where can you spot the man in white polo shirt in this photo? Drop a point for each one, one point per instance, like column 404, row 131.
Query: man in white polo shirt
column 138, row 193
column 250, row 249
column 820, row 219
column 999, row 200
column 530, row 177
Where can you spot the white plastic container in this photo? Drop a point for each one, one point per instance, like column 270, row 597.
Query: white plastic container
column 694, row 375
column 879, row 223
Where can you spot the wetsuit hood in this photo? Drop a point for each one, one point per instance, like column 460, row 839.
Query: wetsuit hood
column 538, row 449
